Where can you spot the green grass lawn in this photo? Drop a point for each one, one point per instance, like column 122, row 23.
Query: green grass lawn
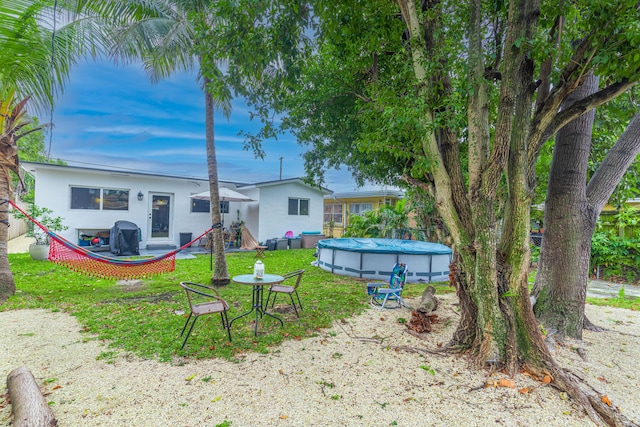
column 147, row 321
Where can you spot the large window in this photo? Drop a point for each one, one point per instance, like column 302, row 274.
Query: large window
column 205, row 206
column 298, row 206
column 333, row 213
column 360, row 208
column 99, row 199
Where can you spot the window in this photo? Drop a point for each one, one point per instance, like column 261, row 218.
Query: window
column 115, row 200
column 85, row 198
column 360, row 208
column 333, row 213
column 99, row 198
column 198, row 205
column 298, row 206
column 205, row 206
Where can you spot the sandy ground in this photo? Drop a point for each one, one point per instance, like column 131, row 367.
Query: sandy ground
column 365, row 371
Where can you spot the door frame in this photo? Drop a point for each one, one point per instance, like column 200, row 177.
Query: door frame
column 169, row 237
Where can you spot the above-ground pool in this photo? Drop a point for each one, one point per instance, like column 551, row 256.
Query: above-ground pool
column 374, row 258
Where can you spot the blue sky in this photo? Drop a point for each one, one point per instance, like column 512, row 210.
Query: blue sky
column 113, row 116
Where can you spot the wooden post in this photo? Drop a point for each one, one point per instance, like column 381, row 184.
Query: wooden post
column 30, row 408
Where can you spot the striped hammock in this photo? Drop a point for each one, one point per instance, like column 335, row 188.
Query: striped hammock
column 81, row 260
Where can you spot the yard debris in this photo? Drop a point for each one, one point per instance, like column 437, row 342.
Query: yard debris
column 421, row 322
column 423, row 317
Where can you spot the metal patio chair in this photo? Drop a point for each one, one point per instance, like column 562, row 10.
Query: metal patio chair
column 287, row 289
column 204, row 300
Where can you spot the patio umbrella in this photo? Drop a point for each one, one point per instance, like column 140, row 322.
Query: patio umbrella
column 225, row 194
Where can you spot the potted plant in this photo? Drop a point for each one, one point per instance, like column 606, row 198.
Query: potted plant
column 39, row 250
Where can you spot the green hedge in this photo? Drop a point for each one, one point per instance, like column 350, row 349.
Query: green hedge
column 615, row 256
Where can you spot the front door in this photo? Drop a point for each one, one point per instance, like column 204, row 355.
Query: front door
column 160, row 216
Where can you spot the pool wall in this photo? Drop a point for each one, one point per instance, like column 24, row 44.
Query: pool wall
column 374, row 258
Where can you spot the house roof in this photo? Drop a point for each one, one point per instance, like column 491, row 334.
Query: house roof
column 398, row 194
column 326, row 191
column 32, row 166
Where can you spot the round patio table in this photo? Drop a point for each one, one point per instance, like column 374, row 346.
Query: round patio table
column 257, row 296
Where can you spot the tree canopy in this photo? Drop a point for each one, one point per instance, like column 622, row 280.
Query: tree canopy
column 457, row 99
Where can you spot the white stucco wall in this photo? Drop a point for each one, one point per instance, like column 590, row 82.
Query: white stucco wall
column 266, row 216
column 274, row 218
column 53, row 189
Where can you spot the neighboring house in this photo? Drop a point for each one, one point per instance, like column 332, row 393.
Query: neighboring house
column 91, row 200
column 632, row 213
column 338, row 207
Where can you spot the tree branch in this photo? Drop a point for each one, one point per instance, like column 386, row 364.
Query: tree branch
column 618, row 159
column 579, row 108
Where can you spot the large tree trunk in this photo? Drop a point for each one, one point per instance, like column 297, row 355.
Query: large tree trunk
column 569, row 221
column 498, row 326
column 571, row 212
column 7, row 284
column 30, row 408
column 220, row 273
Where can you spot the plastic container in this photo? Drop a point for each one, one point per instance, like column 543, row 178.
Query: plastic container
column 295, row 243
column 282, row 244
column 185, row 238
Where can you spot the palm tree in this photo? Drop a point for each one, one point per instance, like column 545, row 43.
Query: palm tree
column 12, row 119
column 165, row 36
column 29, row 76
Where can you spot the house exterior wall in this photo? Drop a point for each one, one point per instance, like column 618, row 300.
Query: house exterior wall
column 53, row 190
column 337, row 229
column 275, row 220
column 248, row 211
column 265, row 217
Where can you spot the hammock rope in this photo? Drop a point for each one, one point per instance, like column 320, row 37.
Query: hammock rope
column 81, row 260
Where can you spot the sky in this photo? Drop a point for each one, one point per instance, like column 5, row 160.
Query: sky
column 114, row 117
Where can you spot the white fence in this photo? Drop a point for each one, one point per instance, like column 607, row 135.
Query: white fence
column 17, row 227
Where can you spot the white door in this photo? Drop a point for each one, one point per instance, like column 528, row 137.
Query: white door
column 160, row 216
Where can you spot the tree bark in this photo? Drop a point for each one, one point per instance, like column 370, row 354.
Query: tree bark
column 8, row 154
column 7, row 283
column 569, row 221
column 220, row 273
column 571, row 212
column 30, row 408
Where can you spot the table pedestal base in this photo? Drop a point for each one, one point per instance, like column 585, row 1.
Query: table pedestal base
column 256, row 305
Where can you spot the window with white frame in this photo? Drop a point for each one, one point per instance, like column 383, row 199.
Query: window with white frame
column 298, row 206
column 360, row 208
column 107, row 199
column 333, row 213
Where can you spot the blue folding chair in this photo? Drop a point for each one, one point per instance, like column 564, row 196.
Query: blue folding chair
column 385, row 295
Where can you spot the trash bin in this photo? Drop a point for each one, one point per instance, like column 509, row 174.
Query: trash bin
column 184, row 239
column 282, row 244
column 295, row 243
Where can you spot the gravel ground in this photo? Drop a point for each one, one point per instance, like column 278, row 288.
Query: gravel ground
column 365, row 371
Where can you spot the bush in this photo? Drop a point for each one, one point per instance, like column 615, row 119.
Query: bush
column 615, row 256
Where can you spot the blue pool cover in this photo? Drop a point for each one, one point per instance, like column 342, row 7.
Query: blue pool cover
column 390, row 246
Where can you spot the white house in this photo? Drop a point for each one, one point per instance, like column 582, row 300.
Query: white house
column 91, row 200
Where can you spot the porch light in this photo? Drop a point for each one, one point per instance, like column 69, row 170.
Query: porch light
column 140, row 195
